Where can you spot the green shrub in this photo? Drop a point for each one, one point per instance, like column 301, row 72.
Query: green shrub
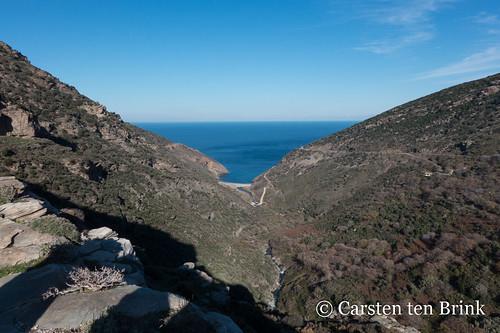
column 56, row 226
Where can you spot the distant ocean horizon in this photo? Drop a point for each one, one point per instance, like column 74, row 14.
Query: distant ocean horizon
column 246, row 149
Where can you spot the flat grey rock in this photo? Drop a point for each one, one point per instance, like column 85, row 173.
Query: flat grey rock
column 99, row 233
column 21, row 303
column 8, row 230
column 25, row 209
column 21, row 244
column 72, row 310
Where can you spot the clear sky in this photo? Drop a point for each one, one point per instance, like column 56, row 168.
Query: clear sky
column 211, row 60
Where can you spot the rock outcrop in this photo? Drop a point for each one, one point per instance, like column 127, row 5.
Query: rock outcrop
column 25, row 209
column 102, row 246
column 90, row 281
column 14, row 121
column 20, row 244
column 72, row 311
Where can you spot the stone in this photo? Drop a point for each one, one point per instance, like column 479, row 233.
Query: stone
column 15, row 121
column 26, row 209
column 99, row 233
column 206, row 279
column 20, row 244
column 392, row 324
column 100, row 257
column 20, row 296
column 221, row 323
column 127, row 250
column 113, row 252
column 90, row 246
column 8, row 230
column 196, row 319
column 11, row 181
column 73, row 310
column 136, row 278
column 121, row 247
column 95, row 109
column 187, row 265
column 16, row 256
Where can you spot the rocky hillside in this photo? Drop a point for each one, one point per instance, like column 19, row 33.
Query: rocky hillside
column 402, row 207
column 55, row 279
column 164, row 197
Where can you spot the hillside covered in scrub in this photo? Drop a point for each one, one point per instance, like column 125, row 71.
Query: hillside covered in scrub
column 402, row 207
column 164, row 196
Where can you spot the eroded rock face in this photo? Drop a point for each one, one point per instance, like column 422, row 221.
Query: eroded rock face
column 15, row 121
column 95, row 109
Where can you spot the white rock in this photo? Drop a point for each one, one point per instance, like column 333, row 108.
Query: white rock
column 188, row 265
column 127, row 250
column 99, row 233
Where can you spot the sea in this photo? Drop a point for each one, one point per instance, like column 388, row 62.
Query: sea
column 246, row 149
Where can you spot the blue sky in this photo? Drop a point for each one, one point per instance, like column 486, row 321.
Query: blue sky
column 212, row 60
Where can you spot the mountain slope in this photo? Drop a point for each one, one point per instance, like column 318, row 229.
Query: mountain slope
column 164, row 196
column 402, row 207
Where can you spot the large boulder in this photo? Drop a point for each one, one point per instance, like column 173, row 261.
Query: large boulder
column 71, row 311
column 21, row 303
column 103, row 247
column 196, row 319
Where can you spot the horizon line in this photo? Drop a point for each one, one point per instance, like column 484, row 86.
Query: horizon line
column 240, row 121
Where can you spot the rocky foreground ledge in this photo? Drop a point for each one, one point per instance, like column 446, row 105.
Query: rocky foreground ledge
column 56, row 278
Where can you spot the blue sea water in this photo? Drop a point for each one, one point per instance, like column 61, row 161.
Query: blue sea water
column 246, row 149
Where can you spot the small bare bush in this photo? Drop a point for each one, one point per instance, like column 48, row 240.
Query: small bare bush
column 85, row 279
